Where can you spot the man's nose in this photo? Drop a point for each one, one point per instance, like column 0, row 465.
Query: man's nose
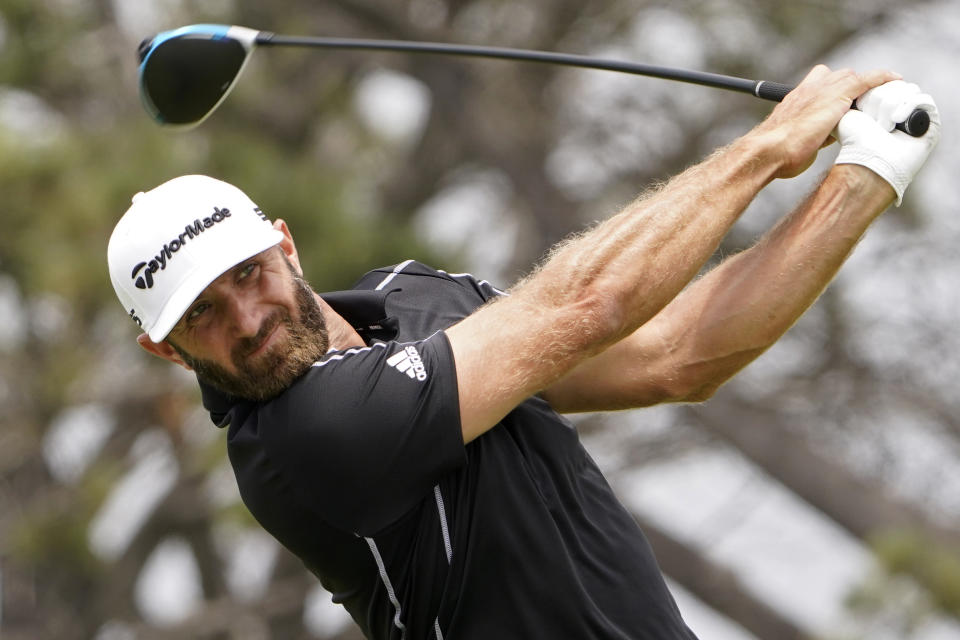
column 246, row 317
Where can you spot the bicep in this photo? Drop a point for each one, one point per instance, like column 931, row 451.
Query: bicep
column 490, row 379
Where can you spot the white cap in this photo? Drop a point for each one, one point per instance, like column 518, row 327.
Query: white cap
column 175, row 240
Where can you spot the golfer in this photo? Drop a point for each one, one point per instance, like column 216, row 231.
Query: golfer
column 404, row 438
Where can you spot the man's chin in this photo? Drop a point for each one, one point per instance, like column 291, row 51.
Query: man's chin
column 247, row 390
column 261, row 380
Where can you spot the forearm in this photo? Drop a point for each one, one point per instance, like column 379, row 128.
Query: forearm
column 626, row 270
column 641, row 258
column 734, row 313
column 599, row 287
column 597, row 290
column 727, row 318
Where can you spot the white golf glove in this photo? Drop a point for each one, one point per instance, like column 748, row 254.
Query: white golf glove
column 867, row 135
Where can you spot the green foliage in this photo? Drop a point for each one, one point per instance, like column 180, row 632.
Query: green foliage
column 61, row 203
column 54, row 540
column 937, row 566
column 917, row 579
column 235, row 514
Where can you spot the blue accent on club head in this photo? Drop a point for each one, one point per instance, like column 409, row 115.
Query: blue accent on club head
column 193, row 30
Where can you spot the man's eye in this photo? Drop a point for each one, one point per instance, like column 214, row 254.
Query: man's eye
column 246, row 271
column 197, row 311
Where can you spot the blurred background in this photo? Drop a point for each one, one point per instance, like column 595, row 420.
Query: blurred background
column 815, row 496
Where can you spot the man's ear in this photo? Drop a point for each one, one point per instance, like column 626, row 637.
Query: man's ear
column 162, row 349
column 286, row 245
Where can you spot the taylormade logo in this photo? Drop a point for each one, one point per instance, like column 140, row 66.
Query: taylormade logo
column 408, row 361
column 142, row 273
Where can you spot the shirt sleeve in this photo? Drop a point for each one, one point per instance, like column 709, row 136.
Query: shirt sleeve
column 366, row 433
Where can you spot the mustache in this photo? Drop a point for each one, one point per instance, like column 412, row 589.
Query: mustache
column 246, row 346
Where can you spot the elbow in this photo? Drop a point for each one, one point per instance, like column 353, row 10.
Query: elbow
column 651, row 393
column 703, row 387
column 692, row 387
column 698, row 394
column 698, row 380
column 675, row 392
column 594, row 322
column 608, row 315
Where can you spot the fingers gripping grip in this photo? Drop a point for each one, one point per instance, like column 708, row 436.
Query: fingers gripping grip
column 915, row 125
column 865, row 135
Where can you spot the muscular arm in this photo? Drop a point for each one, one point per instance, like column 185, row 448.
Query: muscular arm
column 601, row 287
column 734, row 313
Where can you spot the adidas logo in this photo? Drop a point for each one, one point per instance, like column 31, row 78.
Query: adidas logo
column 408, row 361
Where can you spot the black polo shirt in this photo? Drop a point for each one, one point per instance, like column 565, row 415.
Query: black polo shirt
column 359, row 468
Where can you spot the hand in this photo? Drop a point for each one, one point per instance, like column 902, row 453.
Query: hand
column 868, row 138
column 801, row 124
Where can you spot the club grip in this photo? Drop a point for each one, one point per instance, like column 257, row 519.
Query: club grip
column 772, row 90
column 915, row 125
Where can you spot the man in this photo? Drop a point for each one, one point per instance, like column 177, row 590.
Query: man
column 401, row 438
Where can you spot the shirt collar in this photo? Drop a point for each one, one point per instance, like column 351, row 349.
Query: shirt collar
column 365, row 310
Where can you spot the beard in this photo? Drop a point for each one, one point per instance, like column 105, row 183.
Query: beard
column 265, row 375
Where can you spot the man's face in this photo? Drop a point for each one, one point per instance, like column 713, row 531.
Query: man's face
column 254, row 330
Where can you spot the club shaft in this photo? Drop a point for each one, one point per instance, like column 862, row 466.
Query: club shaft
column 683, row 75
column 916, row 124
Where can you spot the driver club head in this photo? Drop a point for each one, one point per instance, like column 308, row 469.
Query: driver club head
column 186, row 73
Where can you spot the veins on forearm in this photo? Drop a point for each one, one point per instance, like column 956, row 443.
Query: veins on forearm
column 734, row 313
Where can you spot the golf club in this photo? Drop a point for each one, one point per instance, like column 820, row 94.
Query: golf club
column 186, row 73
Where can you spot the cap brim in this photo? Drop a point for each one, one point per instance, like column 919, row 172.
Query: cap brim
column 198, row 280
